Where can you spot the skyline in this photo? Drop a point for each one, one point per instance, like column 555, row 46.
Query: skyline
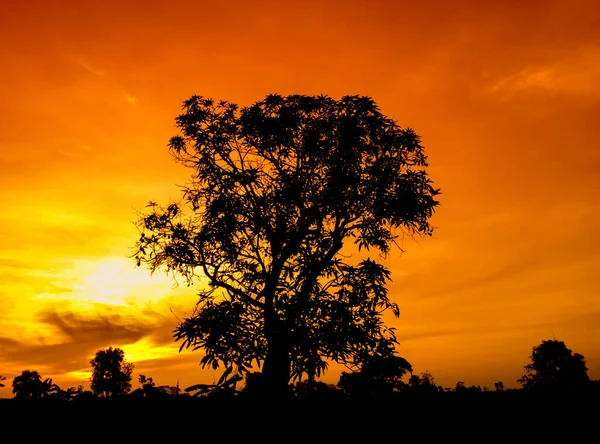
column 503, row 94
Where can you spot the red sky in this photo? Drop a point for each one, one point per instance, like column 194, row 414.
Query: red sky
column 506, row 97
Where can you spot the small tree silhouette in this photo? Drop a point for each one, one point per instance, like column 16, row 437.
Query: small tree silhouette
column 554, row 367
column 463, row 389
column 460, row 387
column 423, row 384
column 29, row 385
column 149, row 389
column 146, row 383
column 380, row 375
column 2, row 378
column 111, row 374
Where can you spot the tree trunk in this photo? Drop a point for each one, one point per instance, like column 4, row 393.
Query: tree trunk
column 277, row 365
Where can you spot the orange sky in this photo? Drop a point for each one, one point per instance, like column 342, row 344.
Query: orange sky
column 505, row 94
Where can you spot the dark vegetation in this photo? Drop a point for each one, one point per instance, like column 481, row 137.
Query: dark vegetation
column 554, row 372
column 554, row 403
column 276, row 191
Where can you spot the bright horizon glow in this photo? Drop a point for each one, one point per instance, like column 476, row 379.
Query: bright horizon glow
column 115, row 280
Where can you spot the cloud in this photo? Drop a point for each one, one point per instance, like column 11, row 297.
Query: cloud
column 576, row 74
column 8, row 343
column 106, row 327
column 130, row 99
column 89, row 68
column 78, row 337
column 10, row 262
column 421, row 333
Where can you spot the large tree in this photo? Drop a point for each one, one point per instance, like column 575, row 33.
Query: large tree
column 111, row 374
column 277, row 188
column 554, row 367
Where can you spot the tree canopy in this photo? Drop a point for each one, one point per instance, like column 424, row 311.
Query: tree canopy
column 29, row 385
column 553, row 367
column 111, row 374
column 277, row 188
column 379, row 376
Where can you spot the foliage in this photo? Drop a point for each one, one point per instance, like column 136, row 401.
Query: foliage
column 149, row 389
column 380, row 375
column 423, row 383
column 2, row 378
column 554, row 367
column 252, row 384
column 29, row 385
column 225, row 386
column 172, row 390
column 65, row 395
column 312, row 389
column 424, row 378
column 111, row 374
column 462, row 388
column 84, row 395
column 146, row 383
column 277, row 188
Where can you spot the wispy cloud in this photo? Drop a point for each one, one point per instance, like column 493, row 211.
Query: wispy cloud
column 89, row 68
column 130, row 99
column 577, row 74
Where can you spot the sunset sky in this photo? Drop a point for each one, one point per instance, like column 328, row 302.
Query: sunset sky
column 506, row 97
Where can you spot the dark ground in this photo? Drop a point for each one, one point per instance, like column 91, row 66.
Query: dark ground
column 476, row 419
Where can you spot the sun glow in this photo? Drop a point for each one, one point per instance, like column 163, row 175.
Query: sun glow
column 115, row 281
column 83, row 376
column 145, row 350
column 110, row 281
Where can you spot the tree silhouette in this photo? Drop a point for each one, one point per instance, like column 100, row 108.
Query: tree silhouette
column 554, row 367
column 147, row 384
column 472, row 390
column 380, row 375
column 424, row 384
column 2, row 378
column 66, row 395
column 111, row 374
column 149, row 389
column 29, row 385
column 277, row 188
column 460, row 387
